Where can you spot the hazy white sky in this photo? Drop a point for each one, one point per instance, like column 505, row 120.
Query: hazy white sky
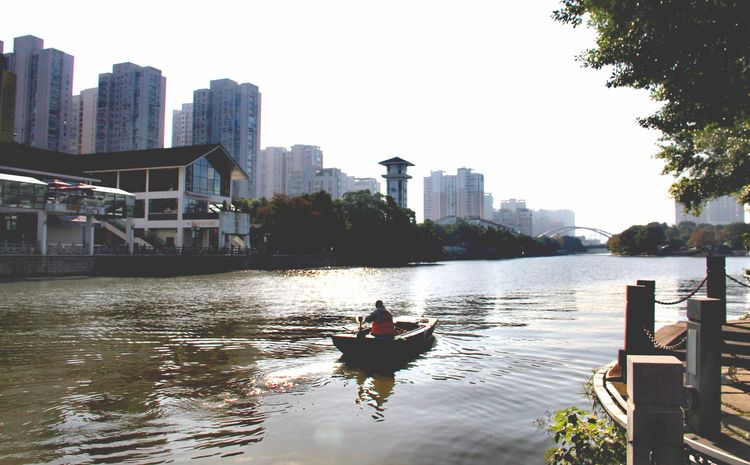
column 483, row 84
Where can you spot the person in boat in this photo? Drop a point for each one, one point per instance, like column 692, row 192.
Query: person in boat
column 382, row 321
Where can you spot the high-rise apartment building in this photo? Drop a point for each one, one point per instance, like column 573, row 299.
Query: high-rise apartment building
column 514, row 214
column 130, row 109
column 7, row 101
column 547, row 220
column 229, row 113
column 182, row 126
column 43, row 94
column 460, row 195
column 721, row 210
column 303, row 163
column 83, row 122
column 469, row 194
column 330, row 180
column 271, row 172
column 354, row 184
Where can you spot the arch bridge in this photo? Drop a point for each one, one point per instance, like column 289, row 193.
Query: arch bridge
column 558, row 231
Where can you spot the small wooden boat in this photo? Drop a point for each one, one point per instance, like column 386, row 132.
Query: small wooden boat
column 413, row 335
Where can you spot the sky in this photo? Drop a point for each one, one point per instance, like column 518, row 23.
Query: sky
column 482, row 84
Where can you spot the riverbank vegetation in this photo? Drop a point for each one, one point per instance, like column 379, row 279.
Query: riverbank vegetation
column 371, row 229
column 686, row 238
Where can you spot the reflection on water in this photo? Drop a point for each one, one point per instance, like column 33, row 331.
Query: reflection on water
column 240, row 366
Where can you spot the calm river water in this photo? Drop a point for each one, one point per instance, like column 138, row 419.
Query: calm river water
column 238, row 367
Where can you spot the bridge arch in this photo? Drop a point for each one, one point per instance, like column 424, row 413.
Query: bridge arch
column 557, row 231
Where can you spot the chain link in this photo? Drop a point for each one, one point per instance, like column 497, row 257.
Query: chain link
column 686, row 298
column 740, row 282
column 656, row 343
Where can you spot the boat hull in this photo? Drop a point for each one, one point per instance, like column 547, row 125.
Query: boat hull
column 415, row 337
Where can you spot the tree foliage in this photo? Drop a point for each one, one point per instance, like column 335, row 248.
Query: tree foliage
column 693, row 56
column 660, row 239
column 370, row 229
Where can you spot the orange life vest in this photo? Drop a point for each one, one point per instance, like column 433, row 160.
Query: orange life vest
column 384, row 328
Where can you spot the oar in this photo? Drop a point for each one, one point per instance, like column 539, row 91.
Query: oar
column 359, row 320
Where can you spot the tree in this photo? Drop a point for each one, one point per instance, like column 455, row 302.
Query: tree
column 691, row 55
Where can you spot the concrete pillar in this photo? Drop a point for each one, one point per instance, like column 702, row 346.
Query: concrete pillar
column 716, row 285
column 655, row 431
column 704, row 346
column 41, row 232
column 88, row 243
column 129, row 234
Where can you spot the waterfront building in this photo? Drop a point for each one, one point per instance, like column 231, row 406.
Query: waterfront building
column 547, row 220
column 182, row 126
column 396, row 179
column 7, row 101
column 182, row 194
column 43, row 94
column 228, row 113
column 83, row 122
column 176, row 197
column 130, row 109
column 721, row 210
column 47, row 201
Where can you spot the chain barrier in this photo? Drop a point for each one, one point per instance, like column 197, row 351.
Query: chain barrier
column 656, row 343
column 686, row 298
column 740, row 282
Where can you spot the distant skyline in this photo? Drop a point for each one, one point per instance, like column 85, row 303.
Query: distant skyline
column 491, row 86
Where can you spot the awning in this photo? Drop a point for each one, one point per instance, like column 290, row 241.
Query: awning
column 23, row 179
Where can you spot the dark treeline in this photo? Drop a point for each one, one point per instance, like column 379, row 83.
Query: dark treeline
column 371, row 229
column 685, row 238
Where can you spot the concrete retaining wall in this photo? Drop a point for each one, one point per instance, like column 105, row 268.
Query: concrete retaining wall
column 17, row 266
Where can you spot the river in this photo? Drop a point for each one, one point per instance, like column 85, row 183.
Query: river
column 239, row 367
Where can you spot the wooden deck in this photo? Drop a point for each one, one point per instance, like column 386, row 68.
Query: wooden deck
column 733, row 447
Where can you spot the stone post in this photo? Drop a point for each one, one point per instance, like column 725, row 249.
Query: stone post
column 129, row 234
column 88, row 241
column 639, row 316
column 704, row 346
column 655, row 431
column 716, row 285
column 41, row 232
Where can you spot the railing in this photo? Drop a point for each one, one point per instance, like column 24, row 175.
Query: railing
column 18, row 249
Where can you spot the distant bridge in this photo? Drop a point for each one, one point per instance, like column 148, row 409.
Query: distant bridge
column 558, row 231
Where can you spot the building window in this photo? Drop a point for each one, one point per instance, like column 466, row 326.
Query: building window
column 163, row 180
column 133, row 181
column 201, row 177
column 162, row 209
column 107, row 179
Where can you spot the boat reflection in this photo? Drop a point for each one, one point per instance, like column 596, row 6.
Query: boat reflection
column 374, row 386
